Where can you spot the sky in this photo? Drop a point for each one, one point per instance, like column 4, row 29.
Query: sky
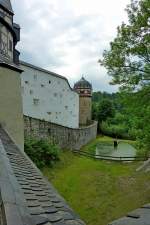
column 69, row 36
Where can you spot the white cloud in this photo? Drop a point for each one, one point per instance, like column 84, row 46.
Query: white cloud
column 69, row 36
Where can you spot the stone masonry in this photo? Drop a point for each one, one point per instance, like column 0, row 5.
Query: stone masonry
column 63, row 136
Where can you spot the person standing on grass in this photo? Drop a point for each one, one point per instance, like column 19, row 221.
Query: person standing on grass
column 115, row 143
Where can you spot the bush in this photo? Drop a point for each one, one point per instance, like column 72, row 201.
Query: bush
column 42, row 152
column 114, row 131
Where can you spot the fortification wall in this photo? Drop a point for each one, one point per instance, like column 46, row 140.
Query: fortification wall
column 65, row 137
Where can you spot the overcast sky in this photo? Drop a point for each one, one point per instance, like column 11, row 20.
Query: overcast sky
column 69, row 36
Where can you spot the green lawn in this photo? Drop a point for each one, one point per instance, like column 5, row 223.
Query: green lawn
column 99, row 191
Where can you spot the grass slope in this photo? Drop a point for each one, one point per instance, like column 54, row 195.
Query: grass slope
column 99, row 191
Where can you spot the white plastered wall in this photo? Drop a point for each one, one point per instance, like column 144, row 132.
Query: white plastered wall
column 49, row 97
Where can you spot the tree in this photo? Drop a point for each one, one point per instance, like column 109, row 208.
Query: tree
column 128, row 60
column 104, row 111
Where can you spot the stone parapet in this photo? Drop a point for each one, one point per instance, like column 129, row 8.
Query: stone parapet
column 63, row 136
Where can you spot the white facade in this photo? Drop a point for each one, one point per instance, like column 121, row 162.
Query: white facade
column 48, row 96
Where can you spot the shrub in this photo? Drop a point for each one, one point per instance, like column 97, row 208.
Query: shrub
column 113, row 130
column 42, row 152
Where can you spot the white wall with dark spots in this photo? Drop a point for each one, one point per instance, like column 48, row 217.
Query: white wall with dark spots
column 49, row 97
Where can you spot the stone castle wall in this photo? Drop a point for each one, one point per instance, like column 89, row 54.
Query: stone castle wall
column 65, row 137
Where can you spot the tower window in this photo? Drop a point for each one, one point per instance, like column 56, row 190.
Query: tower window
column 10, row 45
column 49, row 82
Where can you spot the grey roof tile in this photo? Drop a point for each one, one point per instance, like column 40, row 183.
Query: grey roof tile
column 50, row 209
column 40, row 220
column 137, row 217
column 54, row 217
column 36, row 201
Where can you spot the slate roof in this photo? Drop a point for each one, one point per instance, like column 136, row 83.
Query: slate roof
column 82, row 83
column 139, row 216
column 7, row 5
column 27, row 197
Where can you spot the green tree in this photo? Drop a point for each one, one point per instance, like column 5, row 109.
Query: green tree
column 105, row 110
column 128, row 60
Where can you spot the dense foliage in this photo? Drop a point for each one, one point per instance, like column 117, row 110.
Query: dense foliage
column 128, row 121
column 42, row 152
column 128, row 63
column 109, row 110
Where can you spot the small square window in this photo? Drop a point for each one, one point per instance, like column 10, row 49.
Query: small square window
column 42, row 85
column 36, row 101
column 49, row 82
column 26, row 82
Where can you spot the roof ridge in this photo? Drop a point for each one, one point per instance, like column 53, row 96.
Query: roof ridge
column 7, row 5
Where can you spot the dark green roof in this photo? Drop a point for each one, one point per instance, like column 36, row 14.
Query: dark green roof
column 7, row 5
column 82, row 83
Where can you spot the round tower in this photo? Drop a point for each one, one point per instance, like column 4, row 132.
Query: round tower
column 84, row 89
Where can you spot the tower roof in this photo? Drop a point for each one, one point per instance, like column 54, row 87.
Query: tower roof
column 82, row 83
column 7, row 5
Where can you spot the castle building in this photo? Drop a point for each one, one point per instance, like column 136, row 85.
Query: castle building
column 10, row 90
column 43, row 100
column 55, row 111
column 84, row 89
column 48, row 96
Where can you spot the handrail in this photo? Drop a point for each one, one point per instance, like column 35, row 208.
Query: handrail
column 103, row 157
